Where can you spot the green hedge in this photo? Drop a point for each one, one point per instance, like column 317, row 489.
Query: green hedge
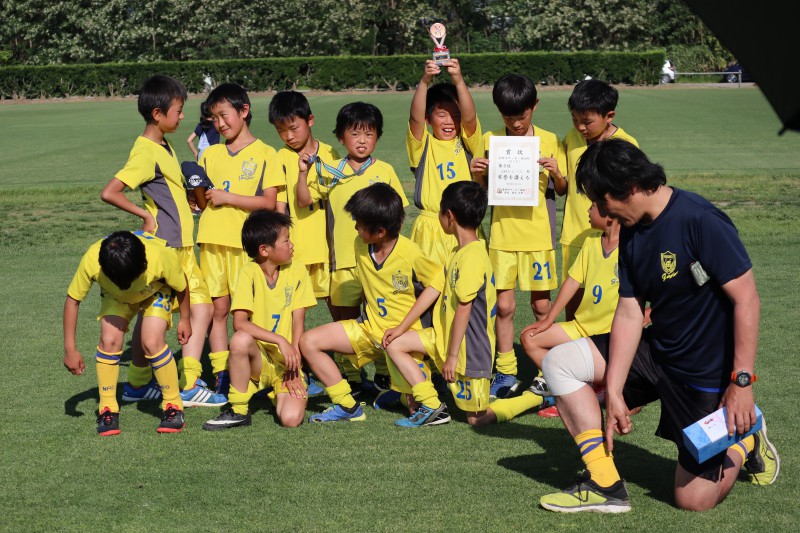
column 325, row 73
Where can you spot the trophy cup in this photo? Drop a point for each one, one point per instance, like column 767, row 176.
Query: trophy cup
column 440, row 54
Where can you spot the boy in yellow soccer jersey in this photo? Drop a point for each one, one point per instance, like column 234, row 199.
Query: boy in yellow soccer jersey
column 153, row 167
column 244, row 174
column 593, row 106
column 461, row 341
column 269, row 308
column 137, row 274
column 441, row 156
column 358, row 127
column 390, row 271
column 523, row 239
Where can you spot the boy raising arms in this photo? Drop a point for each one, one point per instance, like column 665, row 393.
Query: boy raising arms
column 391, row 270
column 358, row 127
column 137, row 273
column 153, row 167
column 245, row 173
column 592, row 105
column 441, row 156
column 291, row 115
column 269, row 308
column 461, row 342
column 523, row 239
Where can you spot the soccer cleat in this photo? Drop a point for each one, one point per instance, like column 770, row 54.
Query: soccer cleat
column 314, row 388
column 108, row 423
column 386, row 399
column 381, row 383
column 586, row 495
column 503, row 386
column 151, row 391
column 172, row 421
column 548, row 412
column 425, row 416
column 201, row 396
column 228, row 419
column 540, row 387
column 337, row 413
column 223, row 383
column 763, row 463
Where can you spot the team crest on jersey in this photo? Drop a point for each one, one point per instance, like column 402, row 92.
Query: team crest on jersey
column 248, row 170
column 288, row 292
column 669, row 261
column 615, row 279
column 459, row 146
column 147, row 291
column 400, row 282
column 453, row 278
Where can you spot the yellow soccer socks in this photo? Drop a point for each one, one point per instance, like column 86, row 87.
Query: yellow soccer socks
column 744, row 447
column 166, row 373
column 219, row 361
column 107, row 376
column 506, row 409
column 139, row 376
column 506, row 363
column 189, row 371
column 425, row 394
column 599, row 461
column 340, row 393
column 239, row 400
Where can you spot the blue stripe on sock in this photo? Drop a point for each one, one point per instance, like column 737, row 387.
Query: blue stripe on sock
column 161, row 359
column 105, row 358
column 590, row 444
column 744, row 448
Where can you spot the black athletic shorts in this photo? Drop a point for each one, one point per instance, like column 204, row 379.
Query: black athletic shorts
column 681, row 405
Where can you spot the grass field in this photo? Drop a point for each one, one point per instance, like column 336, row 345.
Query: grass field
column 56, row 474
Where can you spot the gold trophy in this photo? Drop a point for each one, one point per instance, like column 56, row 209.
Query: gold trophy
column 440, row 54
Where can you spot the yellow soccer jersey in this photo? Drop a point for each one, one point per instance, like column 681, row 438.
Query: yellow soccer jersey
column 469, row 278
column 529, row 229
column 576, row 227
column 247, row 173
column 391, row 288
column 306, row 221
column 155, row 169
column 444, row 162
column 342, row 233
column 598, row 274
column 271, row 308
column 163, row 269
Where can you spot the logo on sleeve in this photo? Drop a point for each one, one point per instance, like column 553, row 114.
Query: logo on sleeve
column 668, row 263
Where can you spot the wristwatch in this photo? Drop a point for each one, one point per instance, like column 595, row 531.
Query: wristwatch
column 743, row 378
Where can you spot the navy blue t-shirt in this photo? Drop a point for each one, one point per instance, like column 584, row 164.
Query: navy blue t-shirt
column 692, row 331
column 212, row 135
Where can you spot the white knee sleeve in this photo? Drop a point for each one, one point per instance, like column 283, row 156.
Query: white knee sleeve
column 568, row 367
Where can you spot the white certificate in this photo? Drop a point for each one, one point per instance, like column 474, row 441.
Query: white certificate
column 513, row 170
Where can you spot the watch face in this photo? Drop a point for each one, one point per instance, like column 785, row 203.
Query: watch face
column 743, row 379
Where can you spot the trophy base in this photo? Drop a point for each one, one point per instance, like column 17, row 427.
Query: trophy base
column 441, row 57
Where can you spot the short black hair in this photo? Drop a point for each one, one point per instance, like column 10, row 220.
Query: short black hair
column 513, row 94
column 205, row 110
column 614, row 167
column 441, row 93
column 377, row 206
column 122, row 258
column 232, row 93
column 286, row 105
column 467, row 201
column 158, row 92
column 262, row 227
column 358, row 115
column 593, row 96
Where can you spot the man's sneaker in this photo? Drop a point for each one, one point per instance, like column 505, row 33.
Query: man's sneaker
column 314, row 388
column 503, row 386
column 425, row 416
column 228, row 419
column 540, row 387
column 548, row 412
column 172, row 421
column 763, row 463
column 386, row 399
column 586, row 495
column 201, row 396
column 223, row 383
column 151, row 391
column 382, row 382
column 108, row 423
column 337, row 413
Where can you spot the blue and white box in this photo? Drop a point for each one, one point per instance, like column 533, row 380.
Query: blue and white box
column 709, row 436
